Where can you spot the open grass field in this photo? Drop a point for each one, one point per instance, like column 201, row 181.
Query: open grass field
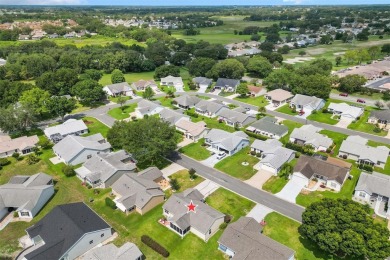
column 95, row 40
column 120, row 114
column 256, row 101
column 232, row 165
column 196, row 150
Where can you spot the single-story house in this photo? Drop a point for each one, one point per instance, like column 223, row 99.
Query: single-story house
column 139, row 192
column 307, row 103
column 186, row 101
column 147, row 107
column 230, row 143
column 191, row 130
column 269, row 127
column 375, row 188
column 279, row 96
column 204, row 222
column 309, row 135
column 202, row 82
column 26, row 194
column 128, row 251
column 228, row 85
column 141, row 85
column 332, row 176
column 381, row 118
column 345, row 111
column 21, row 145
column 102, row 170
column 243, row 240
column 66, row 232
column 255, row 91
column 69, row 127
column 118, row 89
column 272, row 155
column 172, row 116
column 355, row 148
column 74, row 150
column 172, row 81
column 236, row 119
column 209, row 108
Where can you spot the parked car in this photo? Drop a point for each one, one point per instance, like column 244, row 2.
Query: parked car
column 343, row 94
column 221, row 155
column 301, row 112
column 360, row 100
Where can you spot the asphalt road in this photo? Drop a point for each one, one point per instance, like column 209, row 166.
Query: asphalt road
column 269, row 200
column 350, row 98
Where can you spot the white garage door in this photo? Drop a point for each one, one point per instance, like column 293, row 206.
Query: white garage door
column 268, row 168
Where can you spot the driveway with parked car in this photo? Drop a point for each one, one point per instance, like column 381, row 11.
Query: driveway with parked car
column 214, row 159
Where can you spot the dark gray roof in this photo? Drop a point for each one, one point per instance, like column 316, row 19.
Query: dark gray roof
column 245, row 239
column 61, row 228
column 268, row 124
column 119, row 87
column 222, row 82
column 202, row 80
column 381, row 114
column 309, row 166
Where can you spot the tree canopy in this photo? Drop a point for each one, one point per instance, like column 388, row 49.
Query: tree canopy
column 198, row 67
column 166, row 70
column 229, row 68
column 117, row 76
column 259, row 66
column 88, row 91
column 351, row 83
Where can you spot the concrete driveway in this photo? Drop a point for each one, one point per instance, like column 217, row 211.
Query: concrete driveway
column 207, row 187
column 202, row 89
column 179, row 88
column 171, row 169
column 259, row 212
column 306, row 114
column 212, row 160
column 292, row 189
column 344, row 122
column 259, row 178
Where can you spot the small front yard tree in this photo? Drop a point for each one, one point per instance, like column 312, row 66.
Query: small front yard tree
column 242, row 89
column 121, row 101
column 345, row 228
column 192, row 172
column 174, row 184
column 148, row 93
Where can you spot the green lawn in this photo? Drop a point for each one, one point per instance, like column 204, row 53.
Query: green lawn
column 362, row 125
column 256, row 101
column 115, row 99
column 291, row 125
column 213, row 123
column 371, row 96
column 95, row 126
column 119, row 115
column 183, row 178
column 286, row 109
column 166, row 102
column 337, row 138
column 196, row 150
column 274, row 184
column 130, row 77
column 94, row 40
column 229, row 203
column 345, row 193
column 232, row 165
column 285, row 231
column 323, row 118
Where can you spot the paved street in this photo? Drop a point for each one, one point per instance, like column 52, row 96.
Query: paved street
column 350, row 98
column 267, row 199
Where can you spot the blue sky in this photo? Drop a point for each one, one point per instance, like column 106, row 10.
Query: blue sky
column 191, row 2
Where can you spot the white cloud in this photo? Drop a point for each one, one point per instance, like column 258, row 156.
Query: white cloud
column 42, row 2
column 297, row 2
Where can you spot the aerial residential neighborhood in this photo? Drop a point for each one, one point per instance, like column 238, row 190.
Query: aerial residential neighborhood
column 169, row 130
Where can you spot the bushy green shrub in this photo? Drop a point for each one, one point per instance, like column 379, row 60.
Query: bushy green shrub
column 4, row 161
column 223, row 226
column 257, row 136
column 192, row 114
column 110, row 203
column 68, row 170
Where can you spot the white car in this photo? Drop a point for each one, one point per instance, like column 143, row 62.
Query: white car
column 221, row 155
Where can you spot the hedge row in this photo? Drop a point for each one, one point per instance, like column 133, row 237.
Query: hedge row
column 154, row 245
column 306, row 149
column 366, row 167
column 110, row 203
column 192, row 114
column 257, row 136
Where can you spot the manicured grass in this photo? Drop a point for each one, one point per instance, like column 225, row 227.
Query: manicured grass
column 386, row 170
column 94, row 40
column 115, row 99
column 232, row 165
column 196, row 150
column 275, row 184
column 95, row 126
column 130, row 77
column 372, row 96
column 213, row 123
column 166, row 102
column 256, row 101
column 286, row 109
column 362, row 125
column 285, row 231
column 183, row 178
column 119, row 115
column 230, row 203
column 337, row 138
column 291, row 125
column 83, row 107
column 323, row 118
column 346, row 191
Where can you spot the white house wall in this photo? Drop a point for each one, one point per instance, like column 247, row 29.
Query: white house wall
column 45, row 196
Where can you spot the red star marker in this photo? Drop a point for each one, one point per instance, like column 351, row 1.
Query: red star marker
column 191, row 207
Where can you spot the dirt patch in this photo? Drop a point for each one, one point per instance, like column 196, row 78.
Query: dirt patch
column 88, row 122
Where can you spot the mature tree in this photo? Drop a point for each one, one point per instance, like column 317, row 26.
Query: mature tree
column 59, row 82
column 117, row 76
column 36, row 99
column 121, row 101
column 229, row 68
column 280, row 78
column 386, row 48
column 302, row 53
column 60, row 106
column 16, row 118
column 93, row 74
column 255, row 37
column 326, row 39
column 338, row 60
column 147, row 140
column 267, row 46
column 166, row 70
column 312, row 85
column 198, row 67
column 11, row 91
column 180, row 58
column 88, row 91
column 242, row 89
column 36, row 64
column 148, row 93
column 259, row 66
column 214, row 51
column 344, row 228
column 351, row 83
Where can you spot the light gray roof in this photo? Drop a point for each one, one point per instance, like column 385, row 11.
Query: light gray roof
column 119, row 87
column 203, row 217
column 266, row 145
column 245, row 239
column 268, row 124
column 146, row 106
column 103, row 166
column 346, row 110
column 69, row 147
column 128, row 251
column 151, row 173
column 303, row 100
column 70, row 126
column 24, row 192
column 173, row 80
column 274, row 153
column 354, row 145
column 222, row 82
column 309, row 134
column 202, row 80
column 210, row 106
column 227, row 140
column 381, row 114
column 187, row 100
column 171, row 116
column 237, row 117
column 374, row 183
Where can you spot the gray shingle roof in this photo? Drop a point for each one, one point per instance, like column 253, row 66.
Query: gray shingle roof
column 222, row 82
column 202, row 80
column 68, row 127
column 303, row 100
column 274, row 153
column 227, row 140
column 237, row 117
column 209, row 106
column 128, row 251
column 374, row 183
column 187, row 100
column 355, row 145
column 171, row 116
column 309, row 134
column 381, row 114
column 151, row 173
column 146, row 106
column 119, row 87
column 245, row 239
column 61, row 228
column 268, row 124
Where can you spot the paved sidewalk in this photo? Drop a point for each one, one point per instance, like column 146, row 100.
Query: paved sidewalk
column 171, row 169
column 259, row 212
column 207, row 187
column 232, row 96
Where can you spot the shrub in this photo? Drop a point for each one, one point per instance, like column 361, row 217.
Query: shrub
column 253, row 153
column 16, row 214
column 16, row 155
column 377, row 130
column 227, row 219
column 328, row 150
column 32, row 159
column 45, row 143
column 192, row 114
column 110, row 203
column 258, row 155
column 4, row 161
column 223, row 226
column 174, row 184
column 344, row 156
column 325, row 110
column 302, row 149
column 154, row 245
column 174, row 102
column 68, row 170
column 366, row 167
column 297, row 154
column 257, row 136
column 192, row 172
